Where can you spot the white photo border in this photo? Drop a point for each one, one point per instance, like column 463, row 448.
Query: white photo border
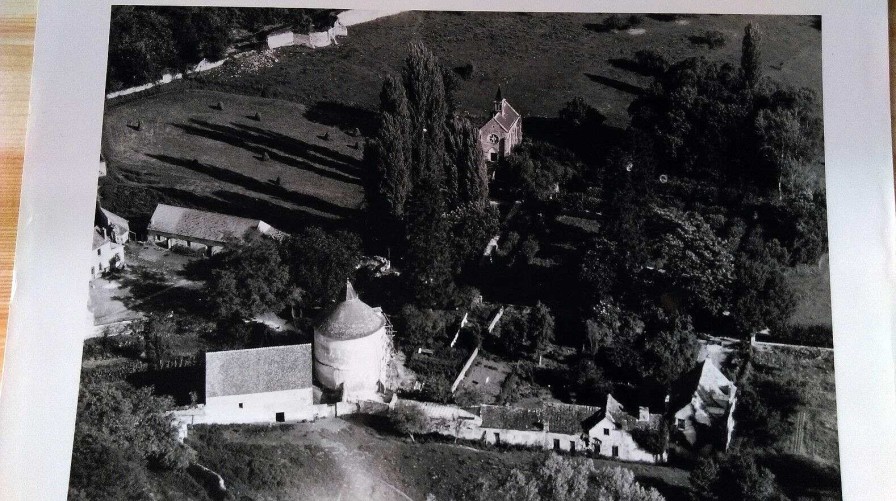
column 48, row 315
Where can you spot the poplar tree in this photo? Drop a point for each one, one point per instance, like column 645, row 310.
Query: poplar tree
column 424, row 84
column 466, row 163
column 751, row 55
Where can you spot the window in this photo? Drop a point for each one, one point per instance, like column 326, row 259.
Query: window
column 280, row 417
column 493, row 138
column 556, row 444
column 99, row 252
column 241, row 405
column 615, row 451
column 679, row 423
column 607, row 432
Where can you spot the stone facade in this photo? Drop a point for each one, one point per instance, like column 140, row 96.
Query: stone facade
column 503, row 132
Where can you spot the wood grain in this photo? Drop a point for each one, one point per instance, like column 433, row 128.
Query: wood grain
column 17, row 21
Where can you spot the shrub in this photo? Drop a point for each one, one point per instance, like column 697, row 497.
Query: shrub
column 616, row 22
column 714, row 39
column 650, row 62
column 465, row 71
column 408, row 420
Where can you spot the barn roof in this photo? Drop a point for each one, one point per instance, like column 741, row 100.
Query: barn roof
column 115, row 220
column 350, row 319
column 511, row 418
column 568, row 419
column 201, row 225
column 257, row 370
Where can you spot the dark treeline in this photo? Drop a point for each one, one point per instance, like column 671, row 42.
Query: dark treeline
column 145, row 42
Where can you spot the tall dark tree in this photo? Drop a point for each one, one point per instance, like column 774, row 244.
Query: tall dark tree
column 467, row 162
column 541, row 328
column 429, row 263
column 751, row 55
column 249, row 279
column 321, row 261
column 762, row 297
column 424, row 84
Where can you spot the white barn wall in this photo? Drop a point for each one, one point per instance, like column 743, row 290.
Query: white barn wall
column 628, row 448
column 297, row 405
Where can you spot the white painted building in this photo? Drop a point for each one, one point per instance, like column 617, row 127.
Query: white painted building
column 613, row 435
column 260, row 385
column 352, row 349
column 709, row 415
column 107, row 254
column 551, row 426
column 280, row 38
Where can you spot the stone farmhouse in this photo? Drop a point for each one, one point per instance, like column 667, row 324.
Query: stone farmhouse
column 503, row 132
column 117, row 228
column 107, row 254
column 110, row 232
column 260, row 385
column 208, row 232
column 708, row 416
column 613, row 436
column 552, row 426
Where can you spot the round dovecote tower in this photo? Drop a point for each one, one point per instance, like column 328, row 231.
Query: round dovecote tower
column 351, row 348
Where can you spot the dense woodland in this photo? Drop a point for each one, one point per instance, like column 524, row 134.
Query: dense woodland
column 146, row 42
column 685, row 224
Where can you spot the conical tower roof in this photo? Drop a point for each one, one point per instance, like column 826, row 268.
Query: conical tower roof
column 350, row 319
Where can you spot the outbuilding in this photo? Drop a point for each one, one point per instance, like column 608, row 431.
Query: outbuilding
column 208, row 232
column 260, row 385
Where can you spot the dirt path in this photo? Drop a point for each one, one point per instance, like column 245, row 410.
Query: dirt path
column 799, row 445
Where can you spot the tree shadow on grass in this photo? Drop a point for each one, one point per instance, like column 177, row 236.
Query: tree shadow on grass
column 616, row 84
column 152, row 292
column 281, row 148
column 345, row 116
column 250, row 183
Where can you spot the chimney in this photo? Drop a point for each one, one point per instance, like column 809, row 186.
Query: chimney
column 643, row 414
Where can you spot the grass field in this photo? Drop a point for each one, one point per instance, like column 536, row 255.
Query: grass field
column 815, row 433
column 540, row 60
column 187, row 152
column 338, row 459
column 813, row 286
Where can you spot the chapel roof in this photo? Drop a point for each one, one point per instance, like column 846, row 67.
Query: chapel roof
column 507, row 117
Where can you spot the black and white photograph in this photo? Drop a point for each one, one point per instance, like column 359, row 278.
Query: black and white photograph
column 449, row 255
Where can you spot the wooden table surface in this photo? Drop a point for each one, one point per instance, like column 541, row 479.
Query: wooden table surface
column 16, row 48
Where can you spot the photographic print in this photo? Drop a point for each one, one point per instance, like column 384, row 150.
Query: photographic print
column 412, row 255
